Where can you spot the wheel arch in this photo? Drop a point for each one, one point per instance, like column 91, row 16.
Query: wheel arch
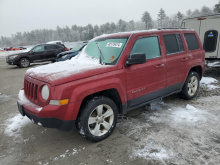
column 110, row 93
column 197, row 69
column 25, row 57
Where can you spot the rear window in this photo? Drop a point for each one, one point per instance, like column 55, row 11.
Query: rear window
column 173, row 43
column 50, row 47
column 59, row 46
column 192, row 41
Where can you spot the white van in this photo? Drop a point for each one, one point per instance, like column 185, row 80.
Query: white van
column 208, row 29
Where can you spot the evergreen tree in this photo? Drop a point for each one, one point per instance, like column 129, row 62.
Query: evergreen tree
column 146, row 18
column 179, row 17
column 206, row 11
column 161, row 17
column 217, row 8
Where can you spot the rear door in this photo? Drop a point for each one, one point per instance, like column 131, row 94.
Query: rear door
column 51, row 52
column 146, row 81
column 176, row 58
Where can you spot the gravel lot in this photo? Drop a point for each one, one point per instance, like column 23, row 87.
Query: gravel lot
column 169, row 131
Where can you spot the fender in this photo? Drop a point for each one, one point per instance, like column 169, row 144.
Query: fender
column 80, row 92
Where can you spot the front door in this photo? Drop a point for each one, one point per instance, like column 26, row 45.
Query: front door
column 146, row 81
column 38, row 53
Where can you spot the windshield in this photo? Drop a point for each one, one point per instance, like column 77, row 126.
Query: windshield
column 77, row 47
column 107, row 50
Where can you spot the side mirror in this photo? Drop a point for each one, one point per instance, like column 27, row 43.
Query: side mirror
column 137, row 58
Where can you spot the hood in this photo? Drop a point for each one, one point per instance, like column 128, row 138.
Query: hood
column 66, row 52
column 66, row 71
column 17, row 53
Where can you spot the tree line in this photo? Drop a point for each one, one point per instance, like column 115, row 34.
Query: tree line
column 85, row 33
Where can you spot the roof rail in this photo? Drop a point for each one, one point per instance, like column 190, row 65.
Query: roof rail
column 172, row 28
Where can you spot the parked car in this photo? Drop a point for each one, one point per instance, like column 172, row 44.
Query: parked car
column 39, row 53
column 114, row 74
column 67, row 55
column 8, row 49
column 18, row 48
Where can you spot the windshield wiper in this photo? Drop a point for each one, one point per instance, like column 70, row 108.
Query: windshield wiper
column 100, row 55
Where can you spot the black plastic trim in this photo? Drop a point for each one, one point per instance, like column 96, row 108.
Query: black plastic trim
column 65, row 125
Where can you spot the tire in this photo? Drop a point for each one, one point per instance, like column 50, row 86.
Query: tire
column 191, row 86
column 97, row 119
column 24, row 62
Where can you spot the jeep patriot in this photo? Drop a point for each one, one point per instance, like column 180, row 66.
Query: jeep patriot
column 113, row 74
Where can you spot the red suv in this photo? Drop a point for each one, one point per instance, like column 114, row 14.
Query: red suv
column 114, row 74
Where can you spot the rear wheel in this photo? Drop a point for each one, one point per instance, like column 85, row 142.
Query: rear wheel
column 191, row 86
column 24, row 62
column 97, row 119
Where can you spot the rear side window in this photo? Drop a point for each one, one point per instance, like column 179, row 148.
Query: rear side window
column 173, row 43
column 50, row 47
column 210, row 41
column 149, row 45
column 59, row 46
column 191, row 41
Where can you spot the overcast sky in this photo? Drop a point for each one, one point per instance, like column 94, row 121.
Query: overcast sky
column 27, row 15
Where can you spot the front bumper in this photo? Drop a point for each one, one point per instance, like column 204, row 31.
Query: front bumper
column 12, row 61
column 35, row 113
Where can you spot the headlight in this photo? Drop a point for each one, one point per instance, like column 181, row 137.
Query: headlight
column 64, row 56
column 45, row 92
column 12, row 57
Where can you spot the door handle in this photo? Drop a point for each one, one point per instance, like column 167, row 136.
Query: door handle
column 185, row 59
column 160, row 65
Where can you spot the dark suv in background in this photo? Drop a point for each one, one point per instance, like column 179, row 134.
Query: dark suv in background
column 39, row 53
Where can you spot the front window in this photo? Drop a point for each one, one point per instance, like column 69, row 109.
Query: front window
column 149, row 46
column 107, row 50
column 39, row 49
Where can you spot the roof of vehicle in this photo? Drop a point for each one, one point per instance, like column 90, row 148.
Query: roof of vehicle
column 54, row 42
column 128, row 34
column 214, row 16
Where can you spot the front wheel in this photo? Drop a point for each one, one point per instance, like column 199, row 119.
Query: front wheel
column 97, row 119
column 191, row 86
column 24, row 62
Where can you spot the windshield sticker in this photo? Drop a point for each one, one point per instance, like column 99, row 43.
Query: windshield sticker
column 114, row 44
column 112, row 59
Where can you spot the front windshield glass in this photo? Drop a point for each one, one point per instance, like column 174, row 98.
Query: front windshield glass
column 107, row 50
column 77, row 47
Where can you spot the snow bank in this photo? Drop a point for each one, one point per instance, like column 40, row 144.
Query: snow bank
column 189, row 114
column 148, row 153
column 14, row 125
column 209, row 81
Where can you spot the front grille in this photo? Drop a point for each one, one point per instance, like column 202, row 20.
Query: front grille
column 31, row 91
